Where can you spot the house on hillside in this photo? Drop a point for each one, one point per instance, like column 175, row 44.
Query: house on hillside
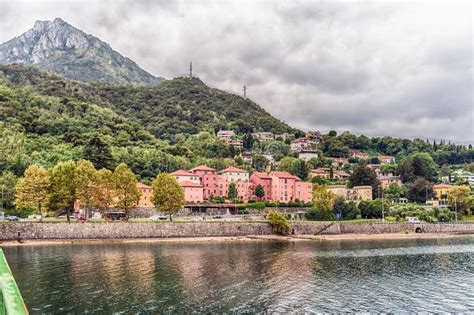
column 314, row 135
column 303, row 144
column 307, row 155
column 236, row 143
column 359, row 154
column 225, row 134
column 357, row 193
column 386, row 180
column 339, row 161
column 263, row 136
column 386, row 159
column 325, row 172
column 284, row 136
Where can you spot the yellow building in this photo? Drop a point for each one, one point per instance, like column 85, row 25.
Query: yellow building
column 355, row 193
column 442, row 191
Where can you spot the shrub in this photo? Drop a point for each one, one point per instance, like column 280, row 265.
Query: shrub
column 251, row 201
column 21, row 213
column 318, row 214
column 243, row 211
column 443, row 214
column 347, row 210
column 218, row 199
column 278, row 222
column 258, row 205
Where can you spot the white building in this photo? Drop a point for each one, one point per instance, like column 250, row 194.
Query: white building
column 307, row 155
column 225, row 134
column 263, row 136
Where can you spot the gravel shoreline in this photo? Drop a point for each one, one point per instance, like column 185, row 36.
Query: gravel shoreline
column 249, row 238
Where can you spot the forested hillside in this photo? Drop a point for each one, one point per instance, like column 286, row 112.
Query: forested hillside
column 179, row 106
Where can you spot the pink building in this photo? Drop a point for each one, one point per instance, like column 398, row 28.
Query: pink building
column 238, row 176
column 213, row 184
column 387, row 180
column 261, row 178
column 192, row 192
column 185, row 176
column 284, row 187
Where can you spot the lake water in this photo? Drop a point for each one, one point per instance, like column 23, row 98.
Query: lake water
column 344, row 276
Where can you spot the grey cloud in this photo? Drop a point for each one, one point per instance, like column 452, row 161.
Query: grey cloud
column 377, row 68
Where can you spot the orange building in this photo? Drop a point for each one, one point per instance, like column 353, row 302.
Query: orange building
column 145, row 197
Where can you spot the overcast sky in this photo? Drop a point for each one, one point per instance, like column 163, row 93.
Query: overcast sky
column 378, row 68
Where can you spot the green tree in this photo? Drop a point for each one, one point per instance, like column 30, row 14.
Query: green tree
column 86, row 181
column 232, row 193
column 63, row 187
column 259, row 192
column 168, row 196
column 420, row 190
column 259, row 162
column 347, row 210
column 394, row 191
column 458, row 198
column 278, row 222
column 125, row 188
column 372, row 209
column 323, row 199
column 364, row 176
column 417, row 165
column 298, row 168
column 32, row 190
column 104, row 193
column 98, row 152
column 8, row 182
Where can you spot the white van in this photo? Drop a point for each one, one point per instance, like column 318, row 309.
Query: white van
column 412, row 220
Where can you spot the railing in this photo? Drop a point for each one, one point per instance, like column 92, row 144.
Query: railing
column 11, row 301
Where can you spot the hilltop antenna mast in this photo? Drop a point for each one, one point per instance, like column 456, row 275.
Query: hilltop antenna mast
column 245, row 91
column 191, row 69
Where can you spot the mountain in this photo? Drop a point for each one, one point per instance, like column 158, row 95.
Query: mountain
column 63, row 49
column 166, row 110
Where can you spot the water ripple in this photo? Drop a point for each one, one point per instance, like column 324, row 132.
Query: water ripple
column 371, row 276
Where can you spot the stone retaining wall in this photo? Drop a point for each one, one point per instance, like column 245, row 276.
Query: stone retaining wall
column 117, row 230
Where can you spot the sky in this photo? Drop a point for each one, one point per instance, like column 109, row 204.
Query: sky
column 395, row 68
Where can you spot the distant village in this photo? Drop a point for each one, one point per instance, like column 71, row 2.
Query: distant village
column 203, row 184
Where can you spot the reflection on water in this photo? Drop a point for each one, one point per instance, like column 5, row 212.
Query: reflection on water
column 345, row 276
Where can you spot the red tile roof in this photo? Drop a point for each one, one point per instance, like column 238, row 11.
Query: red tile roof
column 189, row 184
column 442, row 186
column 143, row 186
column 284, row 175
column 341, row 173
column 202, row 168
column 233, row 169
column 182, row 173
column 262, row 175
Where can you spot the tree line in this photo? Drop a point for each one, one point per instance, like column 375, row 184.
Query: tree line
column 68, row 183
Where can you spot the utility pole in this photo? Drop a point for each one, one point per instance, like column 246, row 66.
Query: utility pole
column 245, row 91
column 456, row 209
column 383, row 212
column 191, row 69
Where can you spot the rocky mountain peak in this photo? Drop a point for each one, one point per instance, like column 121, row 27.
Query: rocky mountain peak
column 60, row 47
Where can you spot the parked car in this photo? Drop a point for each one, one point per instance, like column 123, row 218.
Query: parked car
column 116, row 216
column 12, row 218
column 154, row 217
